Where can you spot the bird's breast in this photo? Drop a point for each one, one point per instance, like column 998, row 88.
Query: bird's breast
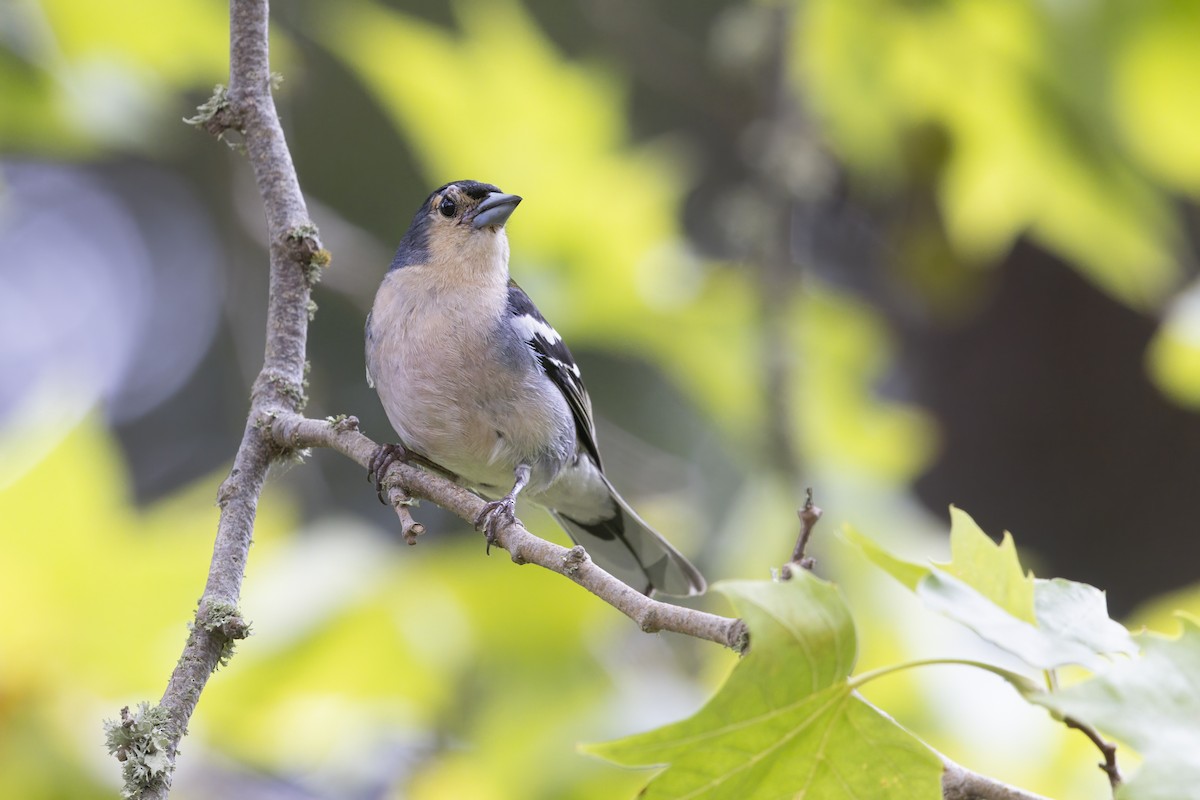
column 460, row 388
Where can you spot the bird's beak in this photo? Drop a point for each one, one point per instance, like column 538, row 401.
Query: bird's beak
column 494, row 210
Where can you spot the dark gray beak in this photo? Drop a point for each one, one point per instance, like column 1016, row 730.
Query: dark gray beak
column 494, row 210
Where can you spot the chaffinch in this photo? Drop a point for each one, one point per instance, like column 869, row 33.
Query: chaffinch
column 474, row 380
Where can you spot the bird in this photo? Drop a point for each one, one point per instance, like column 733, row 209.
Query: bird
column 478, row 384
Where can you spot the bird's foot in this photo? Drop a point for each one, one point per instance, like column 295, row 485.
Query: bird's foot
column 384, row 456
column 496, row 515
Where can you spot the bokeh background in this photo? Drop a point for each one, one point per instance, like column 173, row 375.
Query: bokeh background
column 907, row 252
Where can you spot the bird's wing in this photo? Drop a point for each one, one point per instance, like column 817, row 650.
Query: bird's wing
column 557, row 362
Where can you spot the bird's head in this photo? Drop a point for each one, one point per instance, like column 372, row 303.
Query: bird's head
column 459, row 226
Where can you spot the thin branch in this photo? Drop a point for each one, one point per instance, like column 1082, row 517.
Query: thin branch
column 1107, row 749
column 296, row 257
column 809, row 516
column 292, row 431
column 397, row 498
column 410, row 529
column 959, row 783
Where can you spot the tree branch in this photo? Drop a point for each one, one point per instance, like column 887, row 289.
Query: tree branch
column 1107, row 749
column 149, row 746
column 294, row 432
column 959, row 783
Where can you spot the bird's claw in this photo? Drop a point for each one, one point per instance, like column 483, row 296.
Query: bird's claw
column 495, row 515
column 381, row 460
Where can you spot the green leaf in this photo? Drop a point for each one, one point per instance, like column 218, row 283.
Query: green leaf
column 1045, row 623
column 786, row 722
column 991, row 569
column 1152, row 704
column 1078, row 612
column 1039, row 647
column 1155, row 64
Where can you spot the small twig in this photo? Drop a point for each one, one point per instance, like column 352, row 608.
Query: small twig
column 410, row 529
column 1107, row 749
column 294, row 430
column 809, row 516
column 397, row 498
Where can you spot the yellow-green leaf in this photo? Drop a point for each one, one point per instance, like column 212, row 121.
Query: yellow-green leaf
column 991, row 569
column 786, row 722
column 984, row 588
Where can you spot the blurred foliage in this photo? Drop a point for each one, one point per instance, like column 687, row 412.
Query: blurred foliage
column 1173, row 358
column 639, row 135
column 360, row 649
column 79, row 78
column 86, row 577
column 1069, row 123
column 840, row 419
column 1026, row 99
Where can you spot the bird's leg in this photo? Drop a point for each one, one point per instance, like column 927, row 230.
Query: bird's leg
column 500, row 512
column 384, row 456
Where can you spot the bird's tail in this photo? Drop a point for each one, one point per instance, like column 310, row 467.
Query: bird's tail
column 631, row 550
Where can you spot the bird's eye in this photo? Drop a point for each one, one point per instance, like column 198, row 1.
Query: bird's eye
column 447, row 207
